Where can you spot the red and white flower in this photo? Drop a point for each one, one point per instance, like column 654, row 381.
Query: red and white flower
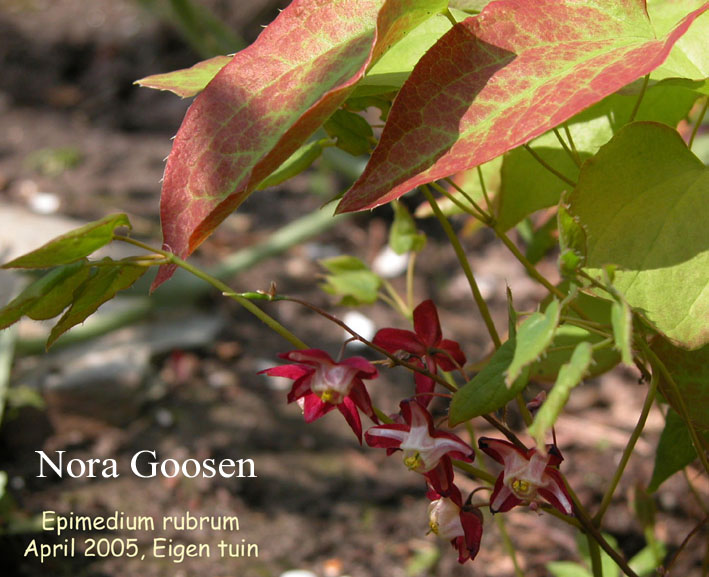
column 426, row 449
column 321, row 384
column 425, row 347
column 460, row 524
column 526, row 476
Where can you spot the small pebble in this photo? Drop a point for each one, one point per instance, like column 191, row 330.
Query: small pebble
column 362, row 325
column 298, row 573
column 389, row 264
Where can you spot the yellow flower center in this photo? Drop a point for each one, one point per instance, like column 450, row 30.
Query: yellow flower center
column 522, row 488
column 330, row 396
column 414, row 461
column 434, row 527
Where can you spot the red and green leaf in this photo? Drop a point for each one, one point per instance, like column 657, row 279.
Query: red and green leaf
column 502, row 78
column 186, row 82
column 266, row 102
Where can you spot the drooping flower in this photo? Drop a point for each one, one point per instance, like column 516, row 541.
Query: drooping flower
column 424, row 347
column 426, row 449
column 321, row 384
column 526, row 476
column 461, row 524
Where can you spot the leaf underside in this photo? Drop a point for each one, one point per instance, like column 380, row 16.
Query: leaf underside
column 266, row 102
column 500, row 79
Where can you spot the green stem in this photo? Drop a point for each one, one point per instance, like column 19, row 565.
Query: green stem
column 524, row 411
column 460, row 253
column 410, row 282
column 508, row 545
column 483, row 187
column 574, row 157
column 471, row 210
column 400, row 305
column 550, row 168
column 590, row 529
column 610, row 491
column 485, row 216
column 700, row 119
column 634, row 113
column 529, row 267
column 269, row 321
column 595, row 553
column 681, row 407
column 567, row 131
column 475, row 471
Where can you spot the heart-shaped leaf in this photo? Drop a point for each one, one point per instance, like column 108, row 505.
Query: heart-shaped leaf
column 266, row 102
column 499, row 79
column 643, row 202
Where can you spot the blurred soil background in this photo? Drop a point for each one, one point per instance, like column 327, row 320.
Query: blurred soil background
column 80, row 141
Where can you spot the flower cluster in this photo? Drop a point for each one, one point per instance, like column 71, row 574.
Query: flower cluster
column 528, row 476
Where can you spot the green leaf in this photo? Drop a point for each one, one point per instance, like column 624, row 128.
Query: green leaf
column 98, row 289
column 645, row 563
column 188, row 81
column 567, row 569
column 352, row 132
column 690, row 370
column 674, row 451
column 622, row 322
column 351, row 279
column 61, row 295
column 527, row 186
column 643, row 201
column 403, row 235
column 689, row 57
column 299, row 161
column 72, row 246
column 394, row 67
column 487, row 391
column 534, row 335
column 34, row 294
column 570, row 375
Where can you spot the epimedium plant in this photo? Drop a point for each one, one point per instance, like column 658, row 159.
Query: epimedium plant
column 586, row 109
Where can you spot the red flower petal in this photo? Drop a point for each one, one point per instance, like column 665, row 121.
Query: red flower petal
column 313, row 357
column 314, row 407
column 427, row 325
column 349, row 411
column 395, row 340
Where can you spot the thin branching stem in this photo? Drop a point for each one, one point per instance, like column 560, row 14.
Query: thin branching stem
column 575, row 151
column 483, row 187
column 629, row 447
column 699, row 121
column 567, row 148
column 638, row 102
column 465, row 265
column 269, row 321
column 684, row 543
column 397, row 361
column 549, row 167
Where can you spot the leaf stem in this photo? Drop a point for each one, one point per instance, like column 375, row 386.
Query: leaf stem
column 595, row 553
column 465, row 265
column 627, row 452
column 574, row 157
column 697, row 124
column 550, row 168
column 486, row 217
column 567, row 131
column 410, row 280
column 467, row 209
column 684, row 543
column 634, row 113
column 590, row 529
column 269, row 321
column 656, row 363
column 483, row 187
